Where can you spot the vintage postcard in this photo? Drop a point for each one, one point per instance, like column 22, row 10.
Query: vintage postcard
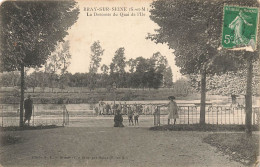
column 129, row 83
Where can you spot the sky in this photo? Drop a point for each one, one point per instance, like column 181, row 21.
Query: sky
column 114, row 32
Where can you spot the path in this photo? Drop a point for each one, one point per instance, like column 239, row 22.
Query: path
column 108, row 146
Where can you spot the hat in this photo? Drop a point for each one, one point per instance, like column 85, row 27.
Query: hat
column 171, row 97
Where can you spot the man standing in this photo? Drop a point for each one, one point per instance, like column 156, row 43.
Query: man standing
column 28, row 105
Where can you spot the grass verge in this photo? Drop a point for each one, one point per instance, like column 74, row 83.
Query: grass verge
column 239, row 146
column 26, row 127
column 206, row 127
column 9, row 139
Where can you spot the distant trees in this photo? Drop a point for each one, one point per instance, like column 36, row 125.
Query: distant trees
column 183, row 87
column 104, row 69
column 57, row 65
column 33, row 79
column 131, row 63
column 95, row 57
column 144, row 73
column 167, row 77
column 118, row 62
column 10, row 79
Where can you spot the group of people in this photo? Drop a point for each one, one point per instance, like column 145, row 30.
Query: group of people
column 109, row 109
column 134, row 112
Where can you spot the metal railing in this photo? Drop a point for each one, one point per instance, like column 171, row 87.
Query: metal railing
column 41, row 115
column 188, row 114
column 219, row 115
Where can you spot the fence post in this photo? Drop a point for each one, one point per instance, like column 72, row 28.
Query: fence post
column 154, row 119
column 191, row 115
column 229, row 115
column 68, row 116
column 225, row 116
column 208, row 116
column 188, row 115
column 212, row 116
column 241, row 116
column 159, row 115
column 67, row 113
column 221, row 115
column 233, row 110
column 217, row 115
column 33, row 115
column 237, row 116
column 2, row 116
column 63, row 115
column 253, row 116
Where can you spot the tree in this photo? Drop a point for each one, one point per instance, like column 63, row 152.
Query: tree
column 118, row 61
column 167, row 76
column 10, row 79
column 104, row 68
column 95, row 56
column 33, row 79
column 182, row 87
column 143, row 66
column 160, row 61
column 193, row 28
column 104, row 76
column 64, row 57
column 132, row 64
column 29, row 32
column 95, row 59
column 147, row 74
column 162, row 66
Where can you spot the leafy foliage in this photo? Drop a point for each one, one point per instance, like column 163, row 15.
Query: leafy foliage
column 104, row 68
column 228, row 83
column 145, row 75
column 96, row 53
column 30, row 31
column 118, row 62
column 193, row 29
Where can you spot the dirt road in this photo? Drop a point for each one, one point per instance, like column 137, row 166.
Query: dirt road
column 108, row 146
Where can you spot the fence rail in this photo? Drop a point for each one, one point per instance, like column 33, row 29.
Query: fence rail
column 58, row 115
column 214, row 115
column 188, row 114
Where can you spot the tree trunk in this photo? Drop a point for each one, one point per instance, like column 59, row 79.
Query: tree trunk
column 22, row 95
column 248, row 96
column 203, row 97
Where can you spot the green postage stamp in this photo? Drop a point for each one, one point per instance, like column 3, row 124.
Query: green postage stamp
column 239, row 27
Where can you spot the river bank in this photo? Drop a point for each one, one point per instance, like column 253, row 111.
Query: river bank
column 92, row 97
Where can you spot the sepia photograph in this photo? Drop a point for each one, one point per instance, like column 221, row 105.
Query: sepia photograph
column 129, row 83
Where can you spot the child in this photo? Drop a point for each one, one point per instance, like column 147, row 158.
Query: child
column 130, row 116
column 118, row 119
column 172, row 109
column 136, row 115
